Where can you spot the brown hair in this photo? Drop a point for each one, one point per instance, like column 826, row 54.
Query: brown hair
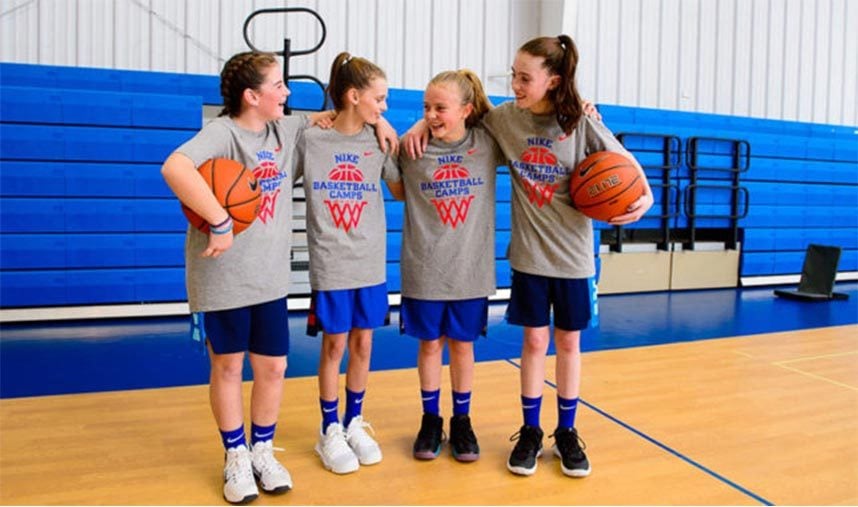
column 470, row 88
column 348, row 72
column 560, row 58
column 242, row 71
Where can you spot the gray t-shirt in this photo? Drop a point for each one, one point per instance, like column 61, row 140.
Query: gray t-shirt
column 549, row 237
column 346, row 227
column 448, row 238
column 256, row 268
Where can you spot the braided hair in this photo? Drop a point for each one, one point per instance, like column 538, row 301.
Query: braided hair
column 242, row 71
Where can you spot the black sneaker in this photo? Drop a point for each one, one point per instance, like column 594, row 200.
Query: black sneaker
column 463, row 441
column 429, row 438
column 522, row 460
column 569, row 447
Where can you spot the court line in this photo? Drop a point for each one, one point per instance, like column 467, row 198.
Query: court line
column 664, row 447
column 815, row 376
column 783, row 364
column 811, row 358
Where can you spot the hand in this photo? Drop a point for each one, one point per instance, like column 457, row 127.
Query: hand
column 636, row 210
column 416, row 139
column 386, row 135
column 590, row 110
column 218, row 244
column 323, row 119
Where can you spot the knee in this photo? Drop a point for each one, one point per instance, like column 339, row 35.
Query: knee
column 333, row 350
column 361, row 345
column 431, row 348
column 536, row 343
column 272, row 370
column 568, row 344
column 228, row 368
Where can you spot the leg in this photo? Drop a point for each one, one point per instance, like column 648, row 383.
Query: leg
column 225, row 389
column 461, row 366
column 268, row 372
column 333, row 348
column 360, row 350
column 533, row 352
column 429, row 359
column 463, row 440
column 568, row 376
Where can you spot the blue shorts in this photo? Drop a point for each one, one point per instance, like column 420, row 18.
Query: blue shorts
column 533, row 296
column 463, row 320
column 339, row 311
column 261, row 329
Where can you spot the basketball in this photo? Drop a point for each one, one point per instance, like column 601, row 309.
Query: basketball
column 604, row 185
column 539, row 155
column 235, row 188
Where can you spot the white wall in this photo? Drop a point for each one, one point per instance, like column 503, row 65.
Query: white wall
column 782, row 59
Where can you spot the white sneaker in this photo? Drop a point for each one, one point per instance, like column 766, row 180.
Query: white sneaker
column 335, row 452
column 238, row 484
column 363, row 445
column 272, row 476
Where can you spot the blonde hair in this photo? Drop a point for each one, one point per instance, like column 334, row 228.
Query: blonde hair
column 471, row 90
column 347, row 72
column 242, row 71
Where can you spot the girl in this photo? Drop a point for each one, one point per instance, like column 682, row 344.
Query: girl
column 241, row 284
column 342, row 168
column 448, row 261
column 544, row 135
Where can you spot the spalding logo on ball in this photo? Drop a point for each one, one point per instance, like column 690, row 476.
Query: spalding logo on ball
column 604, row 185
column 235, row 188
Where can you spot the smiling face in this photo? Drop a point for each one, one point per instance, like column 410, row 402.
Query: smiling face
column 269, row 97
column 531, row 83
column 370, row 102
column 444, row 113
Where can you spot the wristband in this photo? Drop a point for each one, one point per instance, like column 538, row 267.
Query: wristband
column 222, row 228
column 218, row 226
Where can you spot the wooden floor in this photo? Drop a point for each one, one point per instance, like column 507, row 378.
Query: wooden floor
column 739, row 421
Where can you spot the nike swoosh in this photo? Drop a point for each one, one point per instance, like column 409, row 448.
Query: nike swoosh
column 358, row 402
column 566, row 408
column 257, row 435
column 253, row 184
column 367, row 154
column 459, row 402
column 472, row 151
column 233, row 440
column 429, row 398
column 528, row 406
column 329, row 410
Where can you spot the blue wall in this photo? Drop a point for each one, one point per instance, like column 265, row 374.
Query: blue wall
column 85, row 217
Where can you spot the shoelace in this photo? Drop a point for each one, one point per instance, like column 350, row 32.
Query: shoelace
column 360, row 427
column 526, row 442
column 267, row 461
column 335, row 442
column 466, row 434
column 573, row 444
column 238, row 466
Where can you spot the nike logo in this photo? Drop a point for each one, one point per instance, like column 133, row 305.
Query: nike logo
column 329, row 410
column 257, row 435
column 367, row 154
column 253, row 184
column 566, row 408
column 472, row 151
column 277, row 149
column 529, row 406
column 358, row 402
column 429, row 398
column 234, row 439
column 459, row 402
column 562, row 137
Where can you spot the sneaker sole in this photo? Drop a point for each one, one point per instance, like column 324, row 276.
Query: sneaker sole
column 427, row 455
column 370, row 461
column 245, row 500
column 331, row 468
column 466, row 457
column 578, row 473
column 524, row 471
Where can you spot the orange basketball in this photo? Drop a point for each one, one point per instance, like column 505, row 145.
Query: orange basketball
column 604, row 185
column 235, row 188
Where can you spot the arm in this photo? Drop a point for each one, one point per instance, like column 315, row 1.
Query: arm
column 397, row 189
column 184, row 180
column 416, row 139
column 637, row 209
column 386, row 134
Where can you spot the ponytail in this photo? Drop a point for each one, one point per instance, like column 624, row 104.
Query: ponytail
column 348, row 72
column 560, row 58
column 471, row 91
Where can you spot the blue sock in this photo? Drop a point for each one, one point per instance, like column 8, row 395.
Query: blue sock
column 354, row 404
column 431, row 401
column 461, row 403
column 233, row 438
column 530, row 408
column 261, row 433
column 566, row 409
column 329, row 413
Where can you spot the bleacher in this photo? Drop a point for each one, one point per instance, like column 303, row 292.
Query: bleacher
column 86, row 219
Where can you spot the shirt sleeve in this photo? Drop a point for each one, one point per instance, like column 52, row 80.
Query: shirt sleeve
column 212, row 141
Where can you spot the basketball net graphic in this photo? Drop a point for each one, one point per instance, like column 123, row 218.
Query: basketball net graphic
column 539, row 193
column 452, row 210
column 345, row 213
column 267, row 171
